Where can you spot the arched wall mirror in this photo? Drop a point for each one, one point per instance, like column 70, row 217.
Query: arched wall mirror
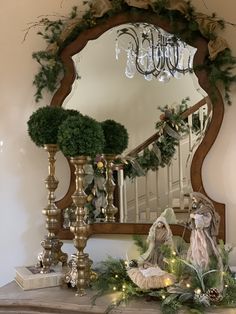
column 121, row 99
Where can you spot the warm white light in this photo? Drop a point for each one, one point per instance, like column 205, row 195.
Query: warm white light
column 188, row 285
column 163, row 297
column 114, row 288
column 116, row 276
column 167, row 281
column 198, row 291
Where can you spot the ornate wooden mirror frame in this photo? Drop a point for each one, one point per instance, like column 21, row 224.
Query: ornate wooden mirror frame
column 217, row 115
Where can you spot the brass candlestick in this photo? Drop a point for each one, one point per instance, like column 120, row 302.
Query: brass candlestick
column 79, row 274
column 110, row 209
column 52, row 253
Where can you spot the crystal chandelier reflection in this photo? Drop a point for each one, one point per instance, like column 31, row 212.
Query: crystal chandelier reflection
column 153, row 52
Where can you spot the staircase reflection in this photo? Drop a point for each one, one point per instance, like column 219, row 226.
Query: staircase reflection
column 144, row 198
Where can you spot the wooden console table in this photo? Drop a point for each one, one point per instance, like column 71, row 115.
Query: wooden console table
column 59, row 300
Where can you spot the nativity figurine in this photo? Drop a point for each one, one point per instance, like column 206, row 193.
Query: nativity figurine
column 204, row 224
column 150, row 273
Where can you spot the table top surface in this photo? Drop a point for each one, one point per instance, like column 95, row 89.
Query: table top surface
column 63, row 300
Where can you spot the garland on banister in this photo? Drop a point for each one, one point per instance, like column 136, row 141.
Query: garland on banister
column 194, row 290
column 61, row 31
column 171, row 128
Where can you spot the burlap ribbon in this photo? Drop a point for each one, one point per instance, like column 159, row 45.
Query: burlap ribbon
column 216, row 46
column 207, row 25
column 178, row 5
column 141, row 4
column 100, row 7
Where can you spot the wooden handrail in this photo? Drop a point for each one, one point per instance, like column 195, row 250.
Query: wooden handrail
column 194, row 108
column 155, row 136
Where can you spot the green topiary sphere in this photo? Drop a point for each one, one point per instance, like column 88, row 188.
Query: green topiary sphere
column 43, row 124
column 81, row 136
column 116, row 137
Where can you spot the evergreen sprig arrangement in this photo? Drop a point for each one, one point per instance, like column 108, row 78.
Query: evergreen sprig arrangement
column 61, row 32
column 44, row 123
column 112, row 275
column 81, row 136
column 116, row 137
column 194, row 290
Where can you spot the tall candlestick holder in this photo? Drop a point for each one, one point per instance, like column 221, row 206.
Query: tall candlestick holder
column 80, row 265
column 52, row 253
column 110, row 185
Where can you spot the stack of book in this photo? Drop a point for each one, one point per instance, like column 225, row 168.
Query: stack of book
column 29, row 278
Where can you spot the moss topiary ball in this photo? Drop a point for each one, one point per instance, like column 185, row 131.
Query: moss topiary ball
column 81, row 136
column 44, row 123
column 116, row 137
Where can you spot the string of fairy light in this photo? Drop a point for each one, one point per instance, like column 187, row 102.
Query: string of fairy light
column 172, row 262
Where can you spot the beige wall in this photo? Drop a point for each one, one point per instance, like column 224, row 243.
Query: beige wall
column 23, row 166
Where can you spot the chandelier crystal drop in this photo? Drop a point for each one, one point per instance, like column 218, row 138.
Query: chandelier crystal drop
column 153, row 52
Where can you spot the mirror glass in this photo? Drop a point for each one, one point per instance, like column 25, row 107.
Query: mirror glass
column 103, row 91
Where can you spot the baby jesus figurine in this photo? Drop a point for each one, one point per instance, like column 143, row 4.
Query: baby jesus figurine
column 150, row 274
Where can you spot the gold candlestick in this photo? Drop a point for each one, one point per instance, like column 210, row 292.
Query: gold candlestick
column 79, row 274
column 110, row 209
column 52, row 253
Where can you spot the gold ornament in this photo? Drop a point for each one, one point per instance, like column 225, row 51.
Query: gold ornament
column 100, row 165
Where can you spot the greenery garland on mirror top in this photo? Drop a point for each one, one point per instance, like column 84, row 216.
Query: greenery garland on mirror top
column 195, row 291
column 58, row 33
